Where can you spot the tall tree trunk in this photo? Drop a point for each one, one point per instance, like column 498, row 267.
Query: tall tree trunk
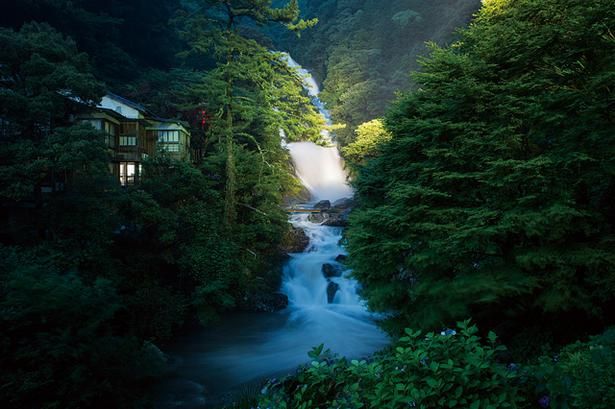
column 230, row 211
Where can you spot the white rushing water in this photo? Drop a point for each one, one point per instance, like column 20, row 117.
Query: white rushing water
column 249, row 347
column 320, row 168
column 343, row 322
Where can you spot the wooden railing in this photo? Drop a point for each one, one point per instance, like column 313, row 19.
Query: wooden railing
column 300, row 210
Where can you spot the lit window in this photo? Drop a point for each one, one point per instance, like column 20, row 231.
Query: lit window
column 128, row 140
column 127, row 173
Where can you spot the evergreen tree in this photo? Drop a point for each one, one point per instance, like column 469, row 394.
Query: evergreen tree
column 118, row 35
column 239, row 59
column 495, row 196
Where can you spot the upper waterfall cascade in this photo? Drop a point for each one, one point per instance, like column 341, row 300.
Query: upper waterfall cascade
column 320, row 168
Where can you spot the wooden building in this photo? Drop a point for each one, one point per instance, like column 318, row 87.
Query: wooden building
column 134, row 133
column 170, row 136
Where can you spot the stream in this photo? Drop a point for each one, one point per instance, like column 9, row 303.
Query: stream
column 233, row 357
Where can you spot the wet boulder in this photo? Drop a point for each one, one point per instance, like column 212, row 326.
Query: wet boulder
column 336, row 220
column 330, row 270
column 343, row 204
column 264, row 302
column 323, row 205
column 317, row 217
column 295, row 241
column 332, row 289
column 341, row 258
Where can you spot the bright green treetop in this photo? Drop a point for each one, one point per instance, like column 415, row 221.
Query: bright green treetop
column 370, row 135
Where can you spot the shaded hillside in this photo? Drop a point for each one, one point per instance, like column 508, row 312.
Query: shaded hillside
column 363, row 51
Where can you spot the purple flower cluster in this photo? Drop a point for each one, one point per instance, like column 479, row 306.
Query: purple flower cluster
column 544, row 401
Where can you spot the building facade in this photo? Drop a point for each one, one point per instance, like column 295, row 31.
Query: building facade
column 133, row 134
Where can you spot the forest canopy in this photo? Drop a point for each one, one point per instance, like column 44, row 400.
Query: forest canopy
column 485, row 195
column 494, row 196
column 94, row 273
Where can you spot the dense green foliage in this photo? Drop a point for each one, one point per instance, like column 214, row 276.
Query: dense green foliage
column 59, row 346
column 453, row 369
column 362, row 50
column 243, row 63
column 494, row 198
column 369, row 137
column 581, row 376
column 487, row 191
column 446, row 370
column 118, row 35
column 92, row 273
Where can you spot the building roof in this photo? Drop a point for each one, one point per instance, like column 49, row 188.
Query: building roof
column 146, row 112
column 128, row 102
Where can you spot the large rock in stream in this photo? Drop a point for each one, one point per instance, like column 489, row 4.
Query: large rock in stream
column 317, row 218
column 323, row 205
column 343, row 204
column 336, row 219
column 332, row 217
column 264, row 302
column 332, row 289
column 335, row 215
column 295, row 241
column 330, row 270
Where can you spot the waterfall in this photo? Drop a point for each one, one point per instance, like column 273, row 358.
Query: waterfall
column 321, row 170
column 246, row 348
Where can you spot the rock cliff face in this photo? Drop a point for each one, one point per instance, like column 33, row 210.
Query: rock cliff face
column 301, row 196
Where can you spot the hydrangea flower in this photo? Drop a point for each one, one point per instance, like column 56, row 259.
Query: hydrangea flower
column 513, row 367
column 544, row 401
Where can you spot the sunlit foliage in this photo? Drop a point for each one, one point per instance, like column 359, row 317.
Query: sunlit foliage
column 369, row 137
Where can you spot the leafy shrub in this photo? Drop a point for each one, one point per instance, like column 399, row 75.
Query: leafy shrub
column 582, row 376
column 453, row 369
column 58, row 343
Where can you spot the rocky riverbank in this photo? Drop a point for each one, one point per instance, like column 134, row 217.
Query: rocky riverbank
column 332, row 214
